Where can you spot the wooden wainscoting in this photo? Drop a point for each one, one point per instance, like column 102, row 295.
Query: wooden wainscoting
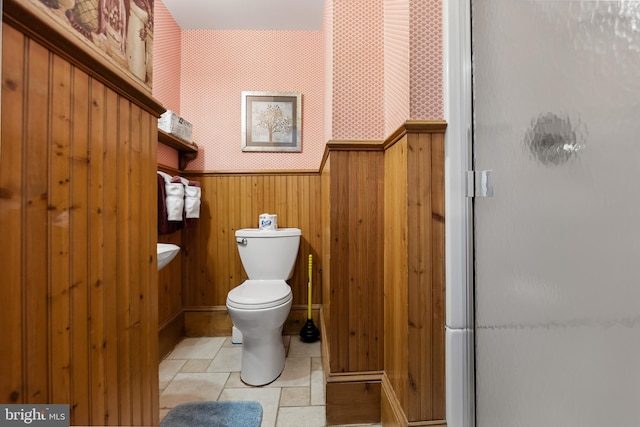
column 414, row 273
column 383, row 302
column 352, row 321
column 211, row 263
column 78, row 311
column 356, row 227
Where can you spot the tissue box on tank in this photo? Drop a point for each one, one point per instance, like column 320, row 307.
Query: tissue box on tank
column 171, row 123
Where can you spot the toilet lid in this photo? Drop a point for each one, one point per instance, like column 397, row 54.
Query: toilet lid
column 257, row 294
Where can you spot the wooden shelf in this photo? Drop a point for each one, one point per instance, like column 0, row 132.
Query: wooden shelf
column 187, row 151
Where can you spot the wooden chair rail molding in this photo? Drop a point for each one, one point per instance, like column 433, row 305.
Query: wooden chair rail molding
column 390, row 262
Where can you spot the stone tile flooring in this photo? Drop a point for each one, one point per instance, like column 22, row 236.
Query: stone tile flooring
column 208, row 368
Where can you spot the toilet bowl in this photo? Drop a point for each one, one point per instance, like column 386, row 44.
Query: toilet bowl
column 260, row 305
column 260, row 320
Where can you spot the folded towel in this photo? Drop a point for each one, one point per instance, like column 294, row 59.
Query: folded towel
column 164, row 225
column 192, row 201
column 166, row 176
column 175, row 200
column 181, row 200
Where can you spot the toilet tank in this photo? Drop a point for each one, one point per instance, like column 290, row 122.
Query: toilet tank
column 268, row 254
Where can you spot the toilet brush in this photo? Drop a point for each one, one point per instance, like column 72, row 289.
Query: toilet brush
column 309, row 332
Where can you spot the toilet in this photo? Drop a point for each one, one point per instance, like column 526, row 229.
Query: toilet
column 260, row 305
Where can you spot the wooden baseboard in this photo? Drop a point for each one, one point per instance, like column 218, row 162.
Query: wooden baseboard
column 391, row 411
column 170, row 333
column 215, row 321
column 353, row 399
column 392, row 414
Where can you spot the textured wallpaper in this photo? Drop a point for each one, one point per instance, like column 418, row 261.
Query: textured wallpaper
column 427, row 81
column 218, row 65
column 374, row 65
column 358, row 70
column 167, row 64
column 396, row 64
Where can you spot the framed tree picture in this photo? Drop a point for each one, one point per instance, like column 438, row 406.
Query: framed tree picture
column 271, row 121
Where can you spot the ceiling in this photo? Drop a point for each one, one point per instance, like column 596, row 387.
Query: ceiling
column 303, row 15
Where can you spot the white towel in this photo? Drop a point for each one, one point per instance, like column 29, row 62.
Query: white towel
column 166, row 176
column 192, row 201
column 175, row 200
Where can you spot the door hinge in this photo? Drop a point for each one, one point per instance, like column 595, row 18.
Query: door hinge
column 479, row 183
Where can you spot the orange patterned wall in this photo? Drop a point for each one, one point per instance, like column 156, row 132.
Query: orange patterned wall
column 396, row 64
column 327, row 44
column 427, row 78
column 374, row 65
column 166, row 66
column 384, row 59
column 358, row 70
column 218, row 65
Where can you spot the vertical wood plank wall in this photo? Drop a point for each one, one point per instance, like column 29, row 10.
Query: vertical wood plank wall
column 414, row 273
column 383, row 302
column 211, row 263
column 356, row 247
column 78, row 311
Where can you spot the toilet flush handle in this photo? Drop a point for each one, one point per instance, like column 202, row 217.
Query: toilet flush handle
column 241, row 240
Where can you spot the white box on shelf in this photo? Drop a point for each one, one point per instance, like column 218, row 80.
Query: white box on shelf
column 171, row 123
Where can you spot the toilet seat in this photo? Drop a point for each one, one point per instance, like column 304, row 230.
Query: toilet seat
column 259, row 294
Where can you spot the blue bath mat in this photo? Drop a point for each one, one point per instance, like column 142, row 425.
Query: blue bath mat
column 241, row 413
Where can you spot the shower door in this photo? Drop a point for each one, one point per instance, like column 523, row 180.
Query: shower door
column 557, row 248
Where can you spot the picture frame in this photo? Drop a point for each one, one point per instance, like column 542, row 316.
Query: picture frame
column 271, row 121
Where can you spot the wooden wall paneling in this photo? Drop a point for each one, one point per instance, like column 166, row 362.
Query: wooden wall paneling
column 79, row 230
column 235, row 201
column 356, row 216
column 149, row 278
column 325, row 219
column 395, row 270
column 353, row 402
column 12, row 223
column 96, row 248
column 37, row 195
column 79, row 284
column 426, row 277
column 235, row 216
column 60, row 275
column 221, row 277
column 438, row 278
column 111, row 232
column 414, row 275
column 339, row 306
column 135, row 241
column 375, row 267
column 312, row 222
column 355, row 281
column 419, row 284
column 123, row 267
column 197, row 251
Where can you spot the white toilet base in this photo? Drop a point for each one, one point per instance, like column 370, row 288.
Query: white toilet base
column 263, row 353
column 262, row 359
column 236, row 335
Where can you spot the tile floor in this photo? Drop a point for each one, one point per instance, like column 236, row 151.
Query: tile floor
column 208, row 368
